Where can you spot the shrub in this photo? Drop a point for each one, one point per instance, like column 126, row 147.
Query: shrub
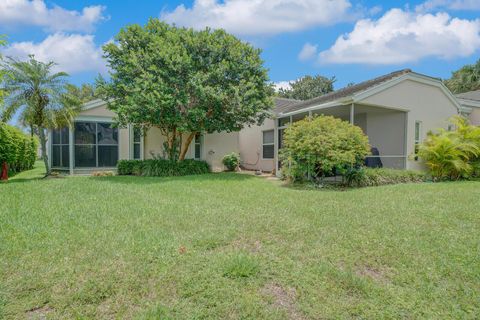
column 454, row 154
column 103, row 174
column 162, row 167
column 17, row 149
column 231, row 161
column 369, row 177
column 317, row 147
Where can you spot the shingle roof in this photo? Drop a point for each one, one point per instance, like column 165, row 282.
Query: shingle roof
column 472, row 95
column 345, row 92
column 282, row 104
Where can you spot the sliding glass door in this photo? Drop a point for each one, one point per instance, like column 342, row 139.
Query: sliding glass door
column 96, row 145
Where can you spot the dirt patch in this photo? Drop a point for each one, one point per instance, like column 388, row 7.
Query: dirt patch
column 375, row 274
column 38, row 313
column 283, row 299
column 252, row 246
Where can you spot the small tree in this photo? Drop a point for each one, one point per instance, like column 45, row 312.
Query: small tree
column 85, row 93
column 41, row 97
column 465, row 79
column 308, row 87
column 184, row 82
column 316, row 147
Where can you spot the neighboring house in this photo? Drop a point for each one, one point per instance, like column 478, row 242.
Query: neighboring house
column 395, row 111
column 470, row 102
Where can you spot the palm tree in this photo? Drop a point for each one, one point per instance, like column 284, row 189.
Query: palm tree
column 40, row 97
column 465, row 79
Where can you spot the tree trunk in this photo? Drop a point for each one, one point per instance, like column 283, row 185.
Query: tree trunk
column 188, row 141
column 43, row 144
column 4, row 175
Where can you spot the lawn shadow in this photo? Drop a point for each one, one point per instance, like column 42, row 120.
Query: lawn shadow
column 222, row 176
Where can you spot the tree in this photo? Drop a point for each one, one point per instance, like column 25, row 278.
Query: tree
column 465, row 79
column 3, row 42
column 85, row 93
column 41, row 97
column 184, row 82
column 308, row 87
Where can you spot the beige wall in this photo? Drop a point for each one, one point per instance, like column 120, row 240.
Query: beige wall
column 101, row 111
column 424, row 102
column 250, row 143
column 475, row 116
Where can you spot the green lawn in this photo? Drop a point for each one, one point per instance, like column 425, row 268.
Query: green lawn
column 231, row 246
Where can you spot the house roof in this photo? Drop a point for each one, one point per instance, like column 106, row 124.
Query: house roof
column 282, row 104
column 345, row 92
column 472, row 95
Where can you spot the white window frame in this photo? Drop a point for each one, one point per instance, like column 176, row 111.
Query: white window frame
column 417, row 140
column 132, row 144
column 199, row 143
column 268, row 144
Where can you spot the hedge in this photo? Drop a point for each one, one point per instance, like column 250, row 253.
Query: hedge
column 369, row 177
column 162, row 168
column 17, row 149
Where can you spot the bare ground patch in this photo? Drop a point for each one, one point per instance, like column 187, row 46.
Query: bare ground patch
column 38, row 313
column 283, row 299
column 377, row 274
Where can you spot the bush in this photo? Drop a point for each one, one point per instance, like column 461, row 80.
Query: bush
column 162, row 167
column 452, row 155
column 317, row 147
column 369, row 177
column 17, row 149
column 231, row 161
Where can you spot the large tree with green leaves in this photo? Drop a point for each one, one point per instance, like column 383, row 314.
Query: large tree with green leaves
column 85, row 92
column 465, row 79
column 184, row 82
column 40, row 97
column 308, row 87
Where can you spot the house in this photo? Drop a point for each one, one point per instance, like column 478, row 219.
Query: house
column 395, row 111
column 470, row 102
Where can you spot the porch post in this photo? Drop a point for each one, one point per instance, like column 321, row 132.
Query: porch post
column 70, row 149
column 352, row 113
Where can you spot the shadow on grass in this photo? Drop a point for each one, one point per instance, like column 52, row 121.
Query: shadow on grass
column 190, row 178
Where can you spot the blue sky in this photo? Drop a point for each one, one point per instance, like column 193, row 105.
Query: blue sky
column 351, row 40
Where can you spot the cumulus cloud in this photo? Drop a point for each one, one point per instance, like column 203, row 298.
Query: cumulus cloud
column 282, row 85
column 448, row 4
column 73, row 53
column 403, row 36
column 36, row 13
column 259, row 17
column 308, row 52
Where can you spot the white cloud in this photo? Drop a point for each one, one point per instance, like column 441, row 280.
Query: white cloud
column 282, row 85
column 308, row 52
column 36, row 13
column 403, row 36
column 259, row 17
column 73, row 53
column 448, row 4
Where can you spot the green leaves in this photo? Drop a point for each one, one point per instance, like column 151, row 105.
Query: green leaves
column 182, row 81
column 308, row 87
column 452, row 154
column 465, row 79
column 316, row 146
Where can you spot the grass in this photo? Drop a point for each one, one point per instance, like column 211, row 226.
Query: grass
column 231, row 246
column 38, row 172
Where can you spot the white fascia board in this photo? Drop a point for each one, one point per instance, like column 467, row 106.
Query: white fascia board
column 94, row 104
column 94, row 118
column 469, row 103
column 408, row 76
column 334, row 103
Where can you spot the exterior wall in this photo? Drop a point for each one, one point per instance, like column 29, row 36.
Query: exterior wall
column 217, row 145
column 475, row 116
column 424, row 102
column 101, row 111
column 250, row 143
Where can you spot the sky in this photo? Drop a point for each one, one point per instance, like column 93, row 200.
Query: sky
column 353, row 40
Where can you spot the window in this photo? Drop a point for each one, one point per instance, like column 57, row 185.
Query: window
column 283, row 122
column 60, row 148
column 137, row 140
column 268, row 151
column 418, row 134
column 96, row 145
column 198, row 146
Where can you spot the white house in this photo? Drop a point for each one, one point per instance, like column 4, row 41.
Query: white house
column 395, row 111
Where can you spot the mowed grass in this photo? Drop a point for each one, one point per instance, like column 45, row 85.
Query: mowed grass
column 232, row 246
